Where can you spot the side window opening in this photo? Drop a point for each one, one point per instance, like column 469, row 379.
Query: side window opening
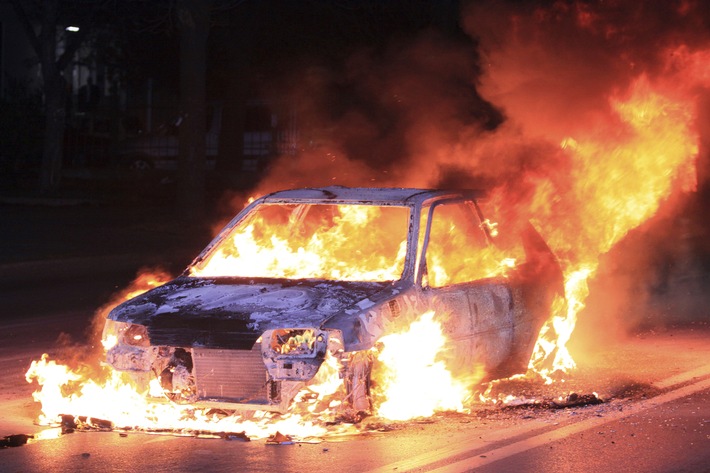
column 457, row 250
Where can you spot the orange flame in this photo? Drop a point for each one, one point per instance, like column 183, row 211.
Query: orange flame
column 330, row 243
column 118, row 401
column 412, row 381
column 618, row 182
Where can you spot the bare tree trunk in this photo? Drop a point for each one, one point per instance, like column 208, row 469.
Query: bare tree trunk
column 194, row 23
column 55, row 121
column 54, row 87
column 230, row 161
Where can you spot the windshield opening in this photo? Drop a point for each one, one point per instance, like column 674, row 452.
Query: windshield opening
column 313, row 241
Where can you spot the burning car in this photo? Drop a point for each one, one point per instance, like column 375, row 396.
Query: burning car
column 301, row 276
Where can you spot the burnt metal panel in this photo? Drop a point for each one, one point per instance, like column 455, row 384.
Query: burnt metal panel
column 478, row 320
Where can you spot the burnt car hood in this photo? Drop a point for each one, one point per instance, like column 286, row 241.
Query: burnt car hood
column 233, row 313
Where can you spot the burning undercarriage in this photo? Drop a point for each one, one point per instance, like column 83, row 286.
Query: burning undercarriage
column 307, row 279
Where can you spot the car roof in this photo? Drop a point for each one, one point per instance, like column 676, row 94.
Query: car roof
column 367, row 195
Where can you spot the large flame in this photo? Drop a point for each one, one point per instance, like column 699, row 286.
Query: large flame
column 616, row 182
column 412, row 381
column 68, row 392
column 342, row 242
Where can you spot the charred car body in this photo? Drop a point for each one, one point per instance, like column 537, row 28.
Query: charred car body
column 302, row 275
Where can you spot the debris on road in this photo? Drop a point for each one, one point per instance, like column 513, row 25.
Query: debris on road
column 71, row 423
column 16, row 440
column 576, row 400
column 234, row 436
column 279, row 439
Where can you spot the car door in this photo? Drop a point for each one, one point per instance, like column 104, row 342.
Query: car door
column 460, row 279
